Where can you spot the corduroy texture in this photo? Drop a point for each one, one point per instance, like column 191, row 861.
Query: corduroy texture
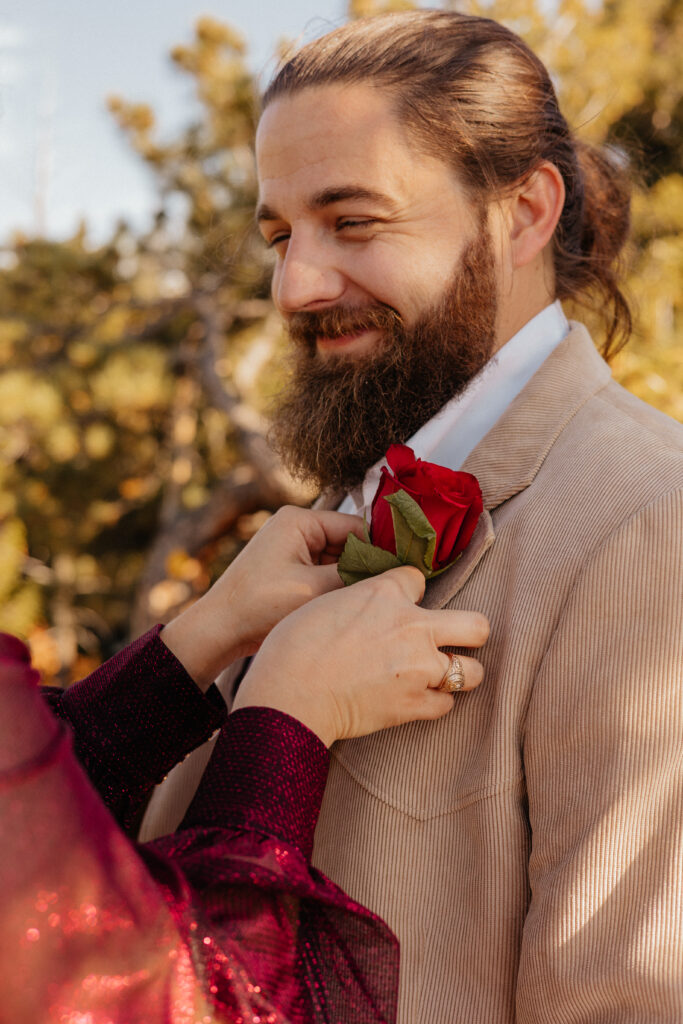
column 527, row 848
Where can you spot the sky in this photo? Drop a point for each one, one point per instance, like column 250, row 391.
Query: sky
column 62, row 157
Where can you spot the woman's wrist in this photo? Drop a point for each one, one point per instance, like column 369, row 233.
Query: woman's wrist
column 204, row 640
column 288, row 697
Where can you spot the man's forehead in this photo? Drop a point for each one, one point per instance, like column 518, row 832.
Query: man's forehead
column 334, row 105
column 327, row 122
column 322, row 146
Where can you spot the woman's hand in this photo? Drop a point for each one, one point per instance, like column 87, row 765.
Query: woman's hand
column 363, row 659
column 290, row 560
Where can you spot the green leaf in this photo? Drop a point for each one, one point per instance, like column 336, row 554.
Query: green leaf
column 360, row 560
column 415, row 535
column 410, row 549
column 403, row 535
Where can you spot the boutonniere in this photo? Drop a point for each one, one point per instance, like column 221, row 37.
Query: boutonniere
column 422, row 515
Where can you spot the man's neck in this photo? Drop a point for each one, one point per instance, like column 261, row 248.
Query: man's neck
column 530, row 291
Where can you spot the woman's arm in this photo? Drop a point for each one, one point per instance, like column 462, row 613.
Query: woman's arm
column 141, row 712
column 133, row 719
column 224, row 920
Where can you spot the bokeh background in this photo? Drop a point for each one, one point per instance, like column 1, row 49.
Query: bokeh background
column 138, row 345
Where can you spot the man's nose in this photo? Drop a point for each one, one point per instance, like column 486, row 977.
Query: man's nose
column 305, row 279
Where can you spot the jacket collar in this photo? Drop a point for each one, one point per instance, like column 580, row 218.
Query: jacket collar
column 509, row 457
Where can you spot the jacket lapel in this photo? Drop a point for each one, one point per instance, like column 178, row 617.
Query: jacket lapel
column 442, row 588
column 508, row 459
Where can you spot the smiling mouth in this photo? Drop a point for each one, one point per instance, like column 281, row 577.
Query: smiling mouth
column 356, row 339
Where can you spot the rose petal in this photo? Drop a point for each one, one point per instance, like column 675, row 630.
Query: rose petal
column 450, row 500
column 400, row 457
column 382, row 523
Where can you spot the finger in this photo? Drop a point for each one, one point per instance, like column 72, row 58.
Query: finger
column 435, row 705
column 472, row 669
column 458, row 628
column 327, row 531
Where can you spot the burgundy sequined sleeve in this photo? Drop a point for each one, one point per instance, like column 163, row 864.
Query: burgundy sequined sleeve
column 223, row 923
column 134, row 718
column 245, row 845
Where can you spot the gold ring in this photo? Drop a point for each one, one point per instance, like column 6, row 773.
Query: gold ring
column 454, row 676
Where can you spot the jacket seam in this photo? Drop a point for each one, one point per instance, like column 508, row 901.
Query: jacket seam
column 476, row 796
column 630, row 418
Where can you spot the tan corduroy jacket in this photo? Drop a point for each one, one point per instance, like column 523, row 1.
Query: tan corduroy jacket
column 527, row 849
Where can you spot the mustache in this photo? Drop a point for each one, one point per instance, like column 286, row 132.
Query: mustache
column 336, row 321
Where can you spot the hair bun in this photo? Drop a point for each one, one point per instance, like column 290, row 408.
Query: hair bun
column 607, row 202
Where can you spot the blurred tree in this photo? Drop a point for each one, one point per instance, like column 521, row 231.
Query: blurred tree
column 133, row 376
column 131, row 460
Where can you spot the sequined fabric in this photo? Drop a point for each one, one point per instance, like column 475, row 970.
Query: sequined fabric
column 223, row 922
column 134, row 718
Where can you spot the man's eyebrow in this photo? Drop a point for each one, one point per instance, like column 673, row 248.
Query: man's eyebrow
column 264, row 212
column 329, row 196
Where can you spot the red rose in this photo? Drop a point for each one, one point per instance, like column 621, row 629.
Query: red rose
column 450, row 500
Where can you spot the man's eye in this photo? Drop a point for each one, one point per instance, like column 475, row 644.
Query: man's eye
column 350, row 222
column 276, row 239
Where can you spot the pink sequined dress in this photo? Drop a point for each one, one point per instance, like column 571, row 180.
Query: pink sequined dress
column 224, row 921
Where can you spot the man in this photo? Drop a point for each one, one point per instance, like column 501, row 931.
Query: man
column 428, row 207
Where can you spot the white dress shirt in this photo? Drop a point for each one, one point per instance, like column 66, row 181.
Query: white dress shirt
column 449, row 437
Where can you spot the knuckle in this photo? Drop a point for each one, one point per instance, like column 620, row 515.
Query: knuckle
column 476, row 672
column 480, row 628
column 388, row 585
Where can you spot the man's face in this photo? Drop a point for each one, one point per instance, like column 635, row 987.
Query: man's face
column 384, row 275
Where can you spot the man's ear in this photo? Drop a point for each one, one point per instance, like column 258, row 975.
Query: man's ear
column 534, row 212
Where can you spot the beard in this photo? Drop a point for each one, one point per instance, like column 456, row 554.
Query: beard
column 338, row 415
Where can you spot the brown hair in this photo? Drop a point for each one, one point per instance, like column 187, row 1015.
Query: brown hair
column 471, row 92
